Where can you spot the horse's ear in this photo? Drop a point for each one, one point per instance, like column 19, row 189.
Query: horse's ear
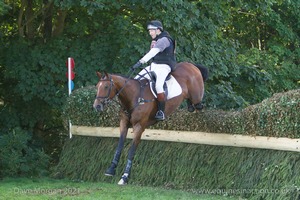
column 98, row 74
column 106, row 74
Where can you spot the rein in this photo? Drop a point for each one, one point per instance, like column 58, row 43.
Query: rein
column 132, row 71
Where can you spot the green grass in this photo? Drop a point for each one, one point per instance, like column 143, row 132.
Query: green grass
column 33, row 189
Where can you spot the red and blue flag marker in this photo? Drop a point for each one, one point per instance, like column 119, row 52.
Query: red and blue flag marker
column 70, row 75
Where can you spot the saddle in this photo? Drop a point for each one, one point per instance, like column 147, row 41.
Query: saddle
column 171, row 86
column 153, row 81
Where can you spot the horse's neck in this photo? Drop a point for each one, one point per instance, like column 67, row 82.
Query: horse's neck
column 128, row 89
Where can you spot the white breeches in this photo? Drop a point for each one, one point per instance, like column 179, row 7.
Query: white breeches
column 161, row 71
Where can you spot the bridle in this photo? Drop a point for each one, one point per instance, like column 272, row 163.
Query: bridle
column 107, row 99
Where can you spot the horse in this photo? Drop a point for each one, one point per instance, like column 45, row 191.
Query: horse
column 140, row 114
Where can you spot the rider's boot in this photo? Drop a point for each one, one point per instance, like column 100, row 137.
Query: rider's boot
column 160, row 115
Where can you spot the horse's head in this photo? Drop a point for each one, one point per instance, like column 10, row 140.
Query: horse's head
column 105, row 92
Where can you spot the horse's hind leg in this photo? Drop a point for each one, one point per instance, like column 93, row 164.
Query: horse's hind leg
column 195, row 100
column 190, row 105
column 199, row 106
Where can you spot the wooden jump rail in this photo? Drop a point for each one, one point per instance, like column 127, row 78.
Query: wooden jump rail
column 221, row 139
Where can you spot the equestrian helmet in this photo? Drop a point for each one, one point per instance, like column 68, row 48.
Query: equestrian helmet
column 155, row 24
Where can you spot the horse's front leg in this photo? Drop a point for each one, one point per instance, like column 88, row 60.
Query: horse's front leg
column 137, row 132
column 111, row 171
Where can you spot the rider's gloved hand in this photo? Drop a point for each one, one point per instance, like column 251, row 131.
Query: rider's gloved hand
column 137, row 65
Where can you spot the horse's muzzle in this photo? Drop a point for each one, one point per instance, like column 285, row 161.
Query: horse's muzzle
column 99, row 107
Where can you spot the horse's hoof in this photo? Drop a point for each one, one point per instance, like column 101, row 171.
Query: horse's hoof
column 107, row 174
column 110, row 172
column 123, row 180
column 191, row 108
column 199, row 106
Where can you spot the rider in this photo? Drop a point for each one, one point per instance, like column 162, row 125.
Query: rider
column 162, row 50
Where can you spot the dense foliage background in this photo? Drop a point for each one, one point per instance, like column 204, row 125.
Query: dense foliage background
column 250, row 47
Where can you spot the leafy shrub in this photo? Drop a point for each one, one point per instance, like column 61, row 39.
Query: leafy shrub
column 19, row 157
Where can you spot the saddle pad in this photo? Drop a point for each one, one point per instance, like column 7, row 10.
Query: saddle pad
column 174, row 89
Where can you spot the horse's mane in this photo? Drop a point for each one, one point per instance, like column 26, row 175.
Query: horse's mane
column 124, row 76
column 116, row 74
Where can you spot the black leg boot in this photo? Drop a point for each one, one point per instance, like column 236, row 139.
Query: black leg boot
column 160, row 115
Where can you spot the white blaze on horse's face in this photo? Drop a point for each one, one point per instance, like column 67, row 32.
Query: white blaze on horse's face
column 104, row 93
column 98, row 106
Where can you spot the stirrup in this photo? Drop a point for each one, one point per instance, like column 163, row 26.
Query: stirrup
column 160, row 115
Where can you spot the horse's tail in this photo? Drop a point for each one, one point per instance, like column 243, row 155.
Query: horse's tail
column 204, row 71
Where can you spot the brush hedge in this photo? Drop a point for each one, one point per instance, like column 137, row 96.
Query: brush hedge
column 278, row 116
column 245, row 172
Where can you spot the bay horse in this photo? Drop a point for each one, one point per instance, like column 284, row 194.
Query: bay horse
column 138, row 115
